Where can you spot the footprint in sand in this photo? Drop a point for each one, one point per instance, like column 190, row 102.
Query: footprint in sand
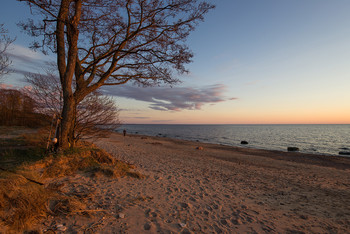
column 147, row 226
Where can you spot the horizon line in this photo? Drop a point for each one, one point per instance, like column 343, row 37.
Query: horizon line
column 237, row 123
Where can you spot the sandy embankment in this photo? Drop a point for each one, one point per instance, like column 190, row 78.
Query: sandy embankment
column 224, row 190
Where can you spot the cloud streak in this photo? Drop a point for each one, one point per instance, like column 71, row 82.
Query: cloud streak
column 172, row 99
column 26, row 60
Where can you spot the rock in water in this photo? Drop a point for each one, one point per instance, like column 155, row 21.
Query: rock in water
column 344, row 153
column 244, row 142
column 293, row 149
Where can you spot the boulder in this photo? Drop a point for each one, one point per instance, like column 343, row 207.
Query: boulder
column 244, row 142
column 293, row 149
column 344, row 153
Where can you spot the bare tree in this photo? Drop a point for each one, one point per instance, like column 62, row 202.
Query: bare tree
column 95, row 114
column 46, row 90
column 5, row 42
column 112, row 42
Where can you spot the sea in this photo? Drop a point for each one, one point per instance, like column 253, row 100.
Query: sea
column 325, row 139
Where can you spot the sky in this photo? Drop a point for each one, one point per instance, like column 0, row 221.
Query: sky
column 255, row 62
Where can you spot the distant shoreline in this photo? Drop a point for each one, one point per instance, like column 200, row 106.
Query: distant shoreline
column 337, row 161
column 326, row 140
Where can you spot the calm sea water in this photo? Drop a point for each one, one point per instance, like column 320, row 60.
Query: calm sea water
column 316, row 139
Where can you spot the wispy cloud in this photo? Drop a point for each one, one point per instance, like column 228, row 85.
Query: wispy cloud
column 26, row 60
column 173, row 99
column 24, row 54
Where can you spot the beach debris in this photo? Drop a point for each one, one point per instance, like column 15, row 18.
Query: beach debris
column 293, row 149
column 199, row 148
column 184, row 205
column 61, row 227
column 182, row 225
column 244, row 142
column 121, row 215
column 344, row 153
column 155, row 143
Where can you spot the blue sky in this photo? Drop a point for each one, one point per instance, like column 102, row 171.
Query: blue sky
column 256, row 61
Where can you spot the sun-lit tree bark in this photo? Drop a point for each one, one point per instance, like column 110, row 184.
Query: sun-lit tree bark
column 112, row 42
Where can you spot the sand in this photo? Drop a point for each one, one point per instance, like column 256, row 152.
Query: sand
column 214, row 189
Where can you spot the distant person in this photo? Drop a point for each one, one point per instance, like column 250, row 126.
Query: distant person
column 124, row 132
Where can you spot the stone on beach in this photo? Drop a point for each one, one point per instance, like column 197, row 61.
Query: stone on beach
column 182, row 225
column 293, row 149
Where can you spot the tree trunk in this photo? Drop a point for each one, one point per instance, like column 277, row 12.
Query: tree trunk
column 67, row 123
column 67, row 26
column 72, row 137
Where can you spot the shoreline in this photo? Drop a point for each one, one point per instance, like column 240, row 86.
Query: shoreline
column 298, row 156
column 310, row 139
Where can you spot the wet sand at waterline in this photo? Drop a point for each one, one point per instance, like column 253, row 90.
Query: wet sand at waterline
column 222, row 189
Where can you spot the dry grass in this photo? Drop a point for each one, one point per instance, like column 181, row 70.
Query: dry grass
column 88, row 160
column 24, row 203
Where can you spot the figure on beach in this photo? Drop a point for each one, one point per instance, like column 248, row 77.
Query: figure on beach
column 124, row 132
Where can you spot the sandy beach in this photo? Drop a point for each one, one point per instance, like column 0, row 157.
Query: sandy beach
column 213, row 189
